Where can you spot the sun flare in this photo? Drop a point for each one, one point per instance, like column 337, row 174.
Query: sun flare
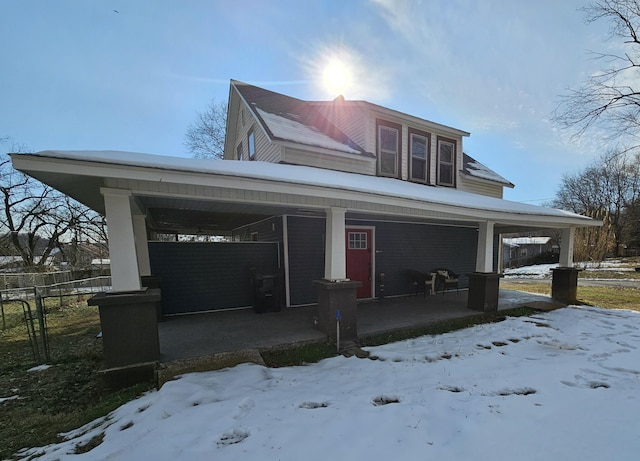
column 336, row 77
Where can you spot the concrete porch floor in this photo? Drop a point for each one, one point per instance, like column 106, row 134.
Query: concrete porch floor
column 198, row 335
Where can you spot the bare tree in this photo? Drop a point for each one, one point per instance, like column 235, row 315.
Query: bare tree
column 608, row 99
column 37, row 219
column 609, row 188
column 205, row 137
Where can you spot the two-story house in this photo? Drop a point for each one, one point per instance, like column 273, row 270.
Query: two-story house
column 363, row 139
column 337, row 191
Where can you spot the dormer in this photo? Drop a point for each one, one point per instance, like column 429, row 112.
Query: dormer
column 352, row 136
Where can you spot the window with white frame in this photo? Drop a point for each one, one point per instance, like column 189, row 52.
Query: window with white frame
column 418, row 155
column 357, row 240
column 446, row 162
column 251, row 145
column 388, row 147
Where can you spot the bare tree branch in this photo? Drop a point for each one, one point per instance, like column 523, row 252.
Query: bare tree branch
column 205, row 137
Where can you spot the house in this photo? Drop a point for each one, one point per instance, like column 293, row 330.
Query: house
column 332, row 199
column 522, row 251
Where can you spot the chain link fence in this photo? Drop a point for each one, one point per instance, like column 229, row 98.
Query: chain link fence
column 34, row 299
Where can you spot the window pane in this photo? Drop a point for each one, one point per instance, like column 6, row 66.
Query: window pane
column 418, row 146
column 446, row 174
column 251, row 145
column 388, row 138
column 418, row 169
column 388, row 163
column 357, row 240
column 446, row 152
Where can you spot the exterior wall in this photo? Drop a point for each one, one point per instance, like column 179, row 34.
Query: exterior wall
column 198, row 277
column 408, row 246
column 306, row 257
column 348, row 163
column 399, row 247
column 476, row 187
column 350, row 119
column 265, row 150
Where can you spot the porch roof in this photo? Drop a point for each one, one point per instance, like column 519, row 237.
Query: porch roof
column 257, row 188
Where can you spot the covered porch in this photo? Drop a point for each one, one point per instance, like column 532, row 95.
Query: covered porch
column 190, row 336
column 141, row 194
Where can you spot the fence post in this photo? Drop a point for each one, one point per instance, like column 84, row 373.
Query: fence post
column 42, row 323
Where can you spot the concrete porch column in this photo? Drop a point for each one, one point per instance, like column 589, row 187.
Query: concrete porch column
column 128, row 313
column 564, row 282
column 336, row 294
column 125, row 275
column 142, row 244
column 484, row 283
column 335, row 254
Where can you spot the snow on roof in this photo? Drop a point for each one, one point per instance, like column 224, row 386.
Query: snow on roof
column 290, row 130
column 310, row 176
column 477, row 170
column 516, row 241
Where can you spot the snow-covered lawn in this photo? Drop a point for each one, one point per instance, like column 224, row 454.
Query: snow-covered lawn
column 564, row 385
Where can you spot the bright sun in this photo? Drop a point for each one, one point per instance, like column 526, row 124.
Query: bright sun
column 336, row 77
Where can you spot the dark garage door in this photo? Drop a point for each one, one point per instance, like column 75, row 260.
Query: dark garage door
column 199, row 277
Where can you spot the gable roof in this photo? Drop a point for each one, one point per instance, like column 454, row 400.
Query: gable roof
column 476, row 170
column 289, row 119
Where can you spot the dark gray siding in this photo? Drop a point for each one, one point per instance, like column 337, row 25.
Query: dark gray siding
column 403, row 246
column 268, row 230
column 306, row 257
column 399, row 247
column 199, row 277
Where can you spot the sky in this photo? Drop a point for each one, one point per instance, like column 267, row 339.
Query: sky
column 562, row 385
column 133, row 75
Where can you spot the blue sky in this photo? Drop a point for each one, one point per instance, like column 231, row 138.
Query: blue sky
column 76, row 74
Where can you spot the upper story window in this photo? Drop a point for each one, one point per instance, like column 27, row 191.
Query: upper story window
column 446, row 162
column 251, row 145
column 388, row 148
column 239, row 151
column 418, row 156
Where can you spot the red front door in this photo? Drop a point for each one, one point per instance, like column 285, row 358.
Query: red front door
column 358, row 244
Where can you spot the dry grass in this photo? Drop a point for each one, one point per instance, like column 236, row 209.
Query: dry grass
column 608, row 297
column 62, row 397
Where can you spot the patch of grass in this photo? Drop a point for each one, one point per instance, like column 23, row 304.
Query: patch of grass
column 607, row 297
column 58, row 399
column 529, row 287
column 617, row 275
column 444, row 326
column 298, row 355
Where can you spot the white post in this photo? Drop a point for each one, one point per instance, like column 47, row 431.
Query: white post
column 122, row 246
column 566, row 247
column 142, row 247
column 484, row 255
column 335, row 258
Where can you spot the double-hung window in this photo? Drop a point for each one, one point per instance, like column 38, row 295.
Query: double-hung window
column 388, row 147
column 418, row 156
column 446, row 162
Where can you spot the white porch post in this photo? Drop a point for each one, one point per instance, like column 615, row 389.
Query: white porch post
column 142, row 247
column 566, row 247
column 122, row 245
column 335, row 259
column 484, row 256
